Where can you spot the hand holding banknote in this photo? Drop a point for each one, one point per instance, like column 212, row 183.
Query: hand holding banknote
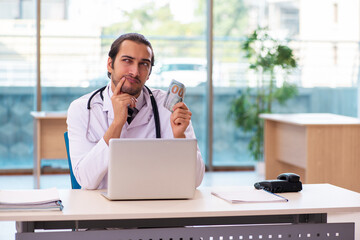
column 180, row 119
column 181, row 115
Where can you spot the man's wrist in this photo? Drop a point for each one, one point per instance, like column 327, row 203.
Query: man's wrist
column 114, row 131
column 180, row 135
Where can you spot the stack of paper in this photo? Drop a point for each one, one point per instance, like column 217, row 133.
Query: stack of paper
column 248, row 196
column 37, row 199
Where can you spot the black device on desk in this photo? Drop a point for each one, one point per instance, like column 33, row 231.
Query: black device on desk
column 285, row 182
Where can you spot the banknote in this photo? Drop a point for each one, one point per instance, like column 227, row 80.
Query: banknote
column 175, row 94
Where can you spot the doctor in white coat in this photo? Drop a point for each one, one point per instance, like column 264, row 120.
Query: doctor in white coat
column 95, row 118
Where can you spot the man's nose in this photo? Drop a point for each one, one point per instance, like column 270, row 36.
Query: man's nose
column 134, row 70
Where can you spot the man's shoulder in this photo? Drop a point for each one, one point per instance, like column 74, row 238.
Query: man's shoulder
column 80, row 104
column 158, row 93
column 81, row 101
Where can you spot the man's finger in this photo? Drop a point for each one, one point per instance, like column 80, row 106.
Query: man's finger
column 126, row 98
column 181, row 111
column 180, row 105
column 183, row 115
column 181, row 121
column 119, row 85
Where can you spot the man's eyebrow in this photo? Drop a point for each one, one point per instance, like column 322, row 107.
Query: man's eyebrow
column 144, row 59
column 127, row 56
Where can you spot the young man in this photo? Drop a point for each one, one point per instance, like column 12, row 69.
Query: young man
column 97, row 117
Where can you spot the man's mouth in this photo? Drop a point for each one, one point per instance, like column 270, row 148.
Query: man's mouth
column 132, row 80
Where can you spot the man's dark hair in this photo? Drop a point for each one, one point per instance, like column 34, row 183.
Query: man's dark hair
column 136, row 37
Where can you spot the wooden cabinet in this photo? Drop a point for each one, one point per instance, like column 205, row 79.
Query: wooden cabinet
column 321, row 148
column 49, row 143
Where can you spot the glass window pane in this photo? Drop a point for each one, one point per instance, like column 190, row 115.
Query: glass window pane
column 75, row 49
column 9, row 9
column 231, row 21
column 17, row 81
column 327, row 53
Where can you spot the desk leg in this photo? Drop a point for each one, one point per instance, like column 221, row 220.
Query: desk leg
column 272, row 166
column 22, row 227
column 37, row 157
column 347, row 217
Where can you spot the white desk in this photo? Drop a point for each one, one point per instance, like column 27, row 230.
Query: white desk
column 318, row 203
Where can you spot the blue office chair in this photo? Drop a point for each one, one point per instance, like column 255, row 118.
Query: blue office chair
column 74, row 183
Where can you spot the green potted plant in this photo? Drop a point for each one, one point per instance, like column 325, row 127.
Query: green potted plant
column 268, row 58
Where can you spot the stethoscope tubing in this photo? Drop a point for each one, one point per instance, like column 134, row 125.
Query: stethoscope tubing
column 153, row 104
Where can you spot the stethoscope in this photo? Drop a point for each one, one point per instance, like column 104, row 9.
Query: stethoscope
column 153, row 104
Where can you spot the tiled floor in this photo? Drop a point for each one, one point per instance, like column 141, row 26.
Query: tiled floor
column 7, row 229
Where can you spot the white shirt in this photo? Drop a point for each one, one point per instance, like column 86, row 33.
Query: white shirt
column 88, row 150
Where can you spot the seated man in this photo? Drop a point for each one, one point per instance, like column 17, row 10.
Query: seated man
column 95, row 118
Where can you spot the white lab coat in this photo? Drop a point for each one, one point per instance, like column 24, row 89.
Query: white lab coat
column 89, row 152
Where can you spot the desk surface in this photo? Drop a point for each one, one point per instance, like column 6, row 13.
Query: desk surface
column 49, row 115
column 90, row 205
column 312, row 119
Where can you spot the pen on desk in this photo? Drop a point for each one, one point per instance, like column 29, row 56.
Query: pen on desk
column 276, row 195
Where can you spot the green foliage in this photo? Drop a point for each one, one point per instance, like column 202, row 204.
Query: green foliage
column 155, row 19
column 229, row 18
column 176, row 38
column 285, row 92
column 266, row 56
column 150, row 19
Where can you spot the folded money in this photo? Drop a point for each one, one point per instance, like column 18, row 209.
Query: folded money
column 175, row 94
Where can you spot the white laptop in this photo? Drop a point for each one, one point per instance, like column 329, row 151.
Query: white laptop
column 151, row 169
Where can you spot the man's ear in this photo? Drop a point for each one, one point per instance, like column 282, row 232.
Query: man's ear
column 109, row 65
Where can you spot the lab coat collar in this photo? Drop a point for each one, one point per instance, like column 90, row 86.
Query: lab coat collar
column 140, row 100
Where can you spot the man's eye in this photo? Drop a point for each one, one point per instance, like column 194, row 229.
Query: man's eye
column 145, row 64
column 126, row 60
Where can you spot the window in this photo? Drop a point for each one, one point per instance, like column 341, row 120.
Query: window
column 75, row 50
column 76, row 37
column 335, row 13
column 17, row 80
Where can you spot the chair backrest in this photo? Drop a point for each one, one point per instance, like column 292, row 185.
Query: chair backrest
column 74, row 183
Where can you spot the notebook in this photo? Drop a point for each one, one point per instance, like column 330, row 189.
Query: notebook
column 151, row 169
column 252, row 195
column 30, row 200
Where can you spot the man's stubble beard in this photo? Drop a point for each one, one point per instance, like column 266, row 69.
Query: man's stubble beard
column 125, row 89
